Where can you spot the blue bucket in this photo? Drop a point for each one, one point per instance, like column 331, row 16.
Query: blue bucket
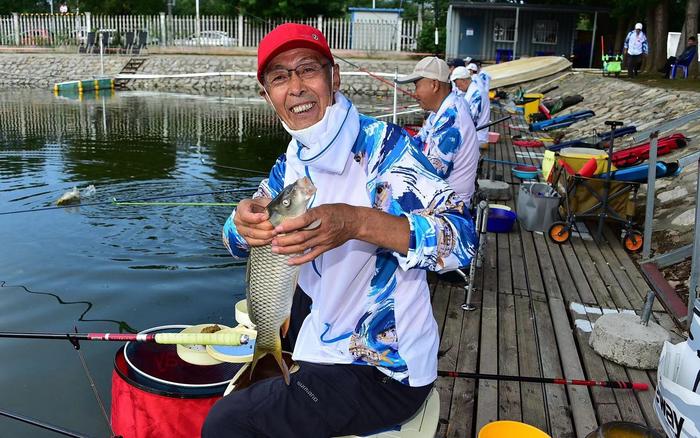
column 500, row 220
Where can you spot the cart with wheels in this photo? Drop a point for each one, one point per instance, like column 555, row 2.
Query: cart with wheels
column 584, row 198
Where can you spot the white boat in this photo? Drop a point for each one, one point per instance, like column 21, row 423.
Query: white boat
column 525, row 70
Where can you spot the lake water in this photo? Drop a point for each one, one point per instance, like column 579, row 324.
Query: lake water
column 129, row 266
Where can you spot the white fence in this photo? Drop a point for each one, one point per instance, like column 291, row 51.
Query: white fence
column 52, row 30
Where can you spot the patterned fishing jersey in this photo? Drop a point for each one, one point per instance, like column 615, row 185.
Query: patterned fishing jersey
column 371, row 306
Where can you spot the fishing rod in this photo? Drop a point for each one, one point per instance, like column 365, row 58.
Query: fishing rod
column 495, row 122
column 617, row 384
column 234, row 339
column 41, row 424
column 178, row 204
column 114, row 200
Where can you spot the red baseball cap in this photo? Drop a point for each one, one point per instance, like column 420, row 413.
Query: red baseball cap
column 290, row 36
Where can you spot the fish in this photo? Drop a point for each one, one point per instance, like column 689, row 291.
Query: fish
column 70, row 197
column 271, row 281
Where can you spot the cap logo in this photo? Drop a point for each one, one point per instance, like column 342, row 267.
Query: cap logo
column 314, row 36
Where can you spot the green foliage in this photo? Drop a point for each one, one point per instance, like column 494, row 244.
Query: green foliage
column 426, row 39
column 23, row 6
column 294, row 8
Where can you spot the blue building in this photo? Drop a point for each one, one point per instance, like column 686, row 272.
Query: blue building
column 504, row 31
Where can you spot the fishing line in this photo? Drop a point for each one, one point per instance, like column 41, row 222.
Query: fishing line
column 114, row 200
column 123, row 325
column 93, row 386
column 242, row 169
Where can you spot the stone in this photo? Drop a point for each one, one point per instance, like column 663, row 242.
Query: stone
column 684, row 219
column 494, row 190
column 623, row 339
column 677, row 192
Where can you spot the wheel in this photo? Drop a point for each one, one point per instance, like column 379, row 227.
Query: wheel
column 559, row 232
column 633, row 241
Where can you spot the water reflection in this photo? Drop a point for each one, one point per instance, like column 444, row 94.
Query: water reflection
column 148, row 265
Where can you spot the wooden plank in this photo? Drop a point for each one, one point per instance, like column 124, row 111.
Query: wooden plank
column 441, row 298
column 517, row 265
column 560, row 420
column 646, row 398
column 595, row 369
column 444, row 386
column 505, row 284
column 531, row 255
column 608, row 412
column 579, row 397
column 576, row 272
column 620, row 300
column 450, row 339
column 508, row 392
column 549, row 272
column 532, row 394
column 463, row 395
column 598, row 286
column 487, row 399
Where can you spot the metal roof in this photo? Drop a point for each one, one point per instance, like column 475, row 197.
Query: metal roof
column 526, row 7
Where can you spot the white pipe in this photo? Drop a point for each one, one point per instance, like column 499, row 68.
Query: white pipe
column 396, row 76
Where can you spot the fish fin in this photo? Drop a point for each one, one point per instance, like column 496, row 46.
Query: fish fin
column 285, row 327
column 283, row 365
column 257, row 355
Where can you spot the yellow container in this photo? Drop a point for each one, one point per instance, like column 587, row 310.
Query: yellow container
column 578, row 157
column 531, row 105
column 510, row 429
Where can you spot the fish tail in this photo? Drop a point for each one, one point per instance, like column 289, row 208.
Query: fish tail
column 276, row 352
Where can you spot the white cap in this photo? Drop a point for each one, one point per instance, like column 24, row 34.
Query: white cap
column 638, row 26
column 429, row 67
column 460, row 73
column 468, row 59
column 473, row 67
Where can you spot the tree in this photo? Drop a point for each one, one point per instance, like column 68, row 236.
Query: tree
column 293, row 8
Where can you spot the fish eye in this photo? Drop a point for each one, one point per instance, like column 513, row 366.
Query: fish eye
column 285, row 202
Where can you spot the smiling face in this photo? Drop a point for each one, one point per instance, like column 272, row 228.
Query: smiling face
column 301, row 102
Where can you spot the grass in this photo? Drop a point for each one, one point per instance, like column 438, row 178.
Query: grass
column 658, row 81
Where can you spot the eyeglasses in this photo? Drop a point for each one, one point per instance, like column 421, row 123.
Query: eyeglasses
column 281, row 76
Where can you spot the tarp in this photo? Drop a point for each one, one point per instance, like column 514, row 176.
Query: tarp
column 525, row 70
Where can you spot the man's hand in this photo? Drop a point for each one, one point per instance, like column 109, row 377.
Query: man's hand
column 252, row 222
column 333, row 225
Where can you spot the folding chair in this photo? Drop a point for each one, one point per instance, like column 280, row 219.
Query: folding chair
column 129, row 38
column 89, row 44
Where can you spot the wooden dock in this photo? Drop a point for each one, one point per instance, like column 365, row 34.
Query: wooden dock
column 524, row 325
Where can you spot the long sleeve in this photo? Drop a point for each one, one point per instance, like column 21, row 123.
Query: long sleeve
column 268, row 188
column 627, row 41
column 645, row 45
column 442, row 231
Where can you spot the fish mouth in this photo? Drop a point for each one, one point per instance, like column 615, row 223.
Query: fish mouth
column 306, row 186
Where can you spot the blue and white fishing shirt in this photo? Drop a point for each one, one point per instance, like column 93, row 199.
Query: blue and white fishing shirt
column 636, row 44
column 483, row 80
column 448, row 139
column 371, row 306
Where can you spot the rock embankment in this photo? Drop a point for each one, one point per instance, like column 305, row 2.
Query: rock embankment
column 644, row 107
column 44, row 70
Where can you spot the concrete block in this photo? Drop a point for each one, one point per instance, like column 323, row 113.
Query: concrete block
column 495, row 190
column 621, row 338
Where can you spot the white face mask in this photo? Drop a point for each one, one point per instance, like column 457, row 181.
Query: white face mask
column 315, row 138
column 326, row 144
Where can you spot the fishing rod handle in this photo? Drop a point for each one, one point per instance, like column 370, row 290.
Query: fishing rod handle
column 202, row 338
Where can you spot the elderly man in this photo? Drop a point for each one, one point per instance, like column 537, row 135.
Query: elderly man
column 367, row 347
column 483, row 81
column 448, row 136
column 636, row 46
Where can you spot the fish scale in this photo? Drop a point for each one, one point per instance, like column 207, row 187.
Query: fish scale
column 270, row 279
column 270, row 290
